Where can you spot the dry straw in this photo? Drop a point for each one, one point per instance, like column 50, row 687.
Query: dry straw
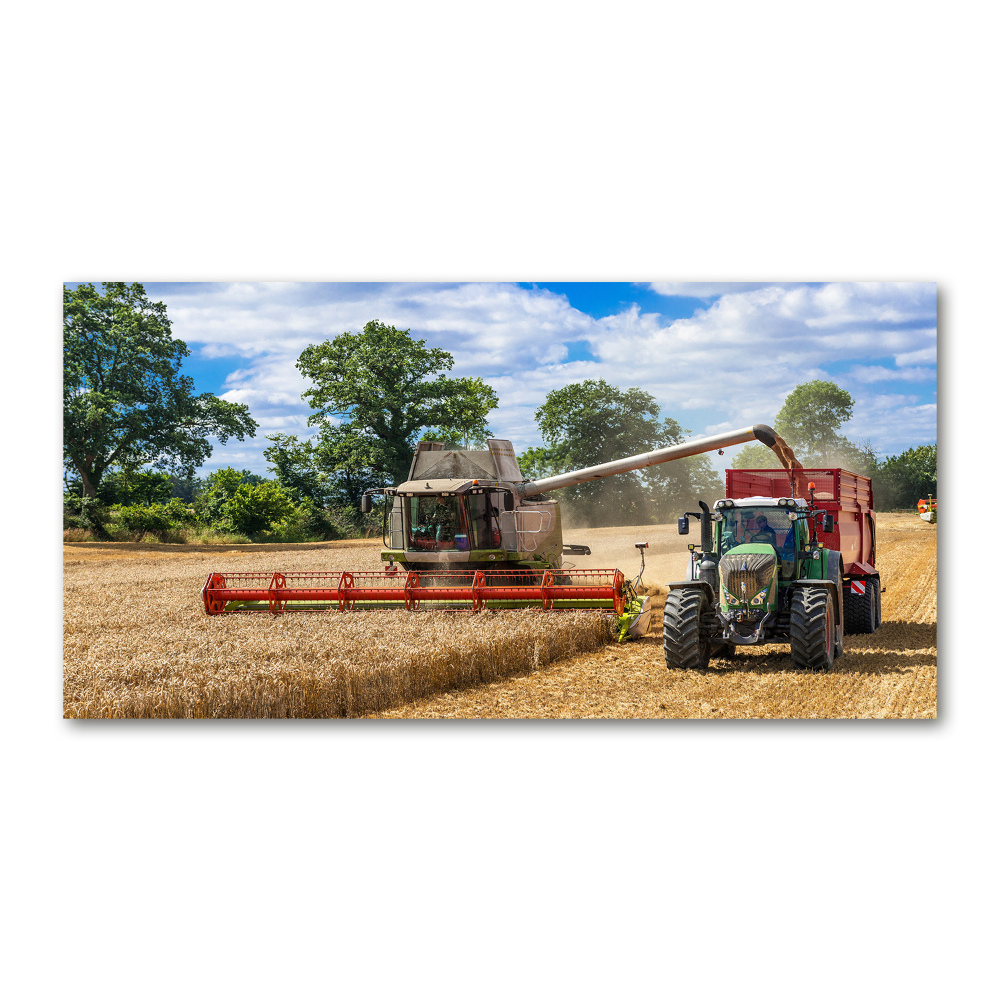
column 138, row 645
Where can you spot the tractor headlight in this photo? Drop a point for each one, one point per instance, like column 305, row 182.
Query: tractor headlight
column 793, row 516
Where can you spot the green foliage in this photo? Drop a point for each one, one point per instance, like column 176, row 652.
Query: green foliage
column 809, row 421
column 332, row 470
column 294, row 463
column 257, row 508
column 139, row 518
column 135, row 488
column 86, row 514
column 242, row 501
column 184, row 487
column 125, row 403
column 902, row 480
column 592, row 422
column 385, row 389
column 755, row 456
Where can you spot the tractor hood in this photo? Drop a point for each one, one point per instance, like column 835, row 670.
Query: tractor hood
column 747, row 573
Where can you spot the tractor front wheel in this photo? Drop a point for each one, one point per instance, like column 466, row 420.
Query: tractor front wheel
column 683, row 646
column 812, row 629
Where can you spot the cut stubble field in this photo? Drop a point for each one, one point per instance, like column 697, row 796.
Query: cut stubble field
column 137, row 644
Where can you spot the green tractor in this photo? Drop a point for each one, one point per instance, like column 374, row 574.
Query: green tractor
column 762, row 576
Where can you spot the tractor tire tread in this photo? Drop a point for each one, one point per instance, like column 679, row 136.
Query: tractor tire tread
column 682, row 645
column 861, row 611
column 811, row 648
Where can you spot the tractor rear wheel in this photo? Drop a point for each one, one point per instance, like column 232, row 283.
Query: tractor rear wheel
column 812, row 628
column 683, row 647
column 860, row 610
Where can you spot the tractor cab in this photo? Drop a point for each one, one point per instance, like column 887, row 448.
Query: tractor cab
column 763, row 521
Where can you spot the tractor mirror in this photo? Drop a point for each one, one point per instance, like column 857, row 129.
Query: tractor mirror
column 682, row 526
column 828, row 523
column 366, row 503
column 508, row 501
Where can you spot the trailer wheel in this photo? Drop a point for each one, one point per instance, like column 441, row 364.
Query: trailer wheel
column 812, row 628
column 878, row 602
column 860, row 610
column 683, row 647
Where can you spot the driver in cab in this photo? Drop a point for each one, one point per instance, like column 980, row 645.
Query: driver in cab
column 763, row 532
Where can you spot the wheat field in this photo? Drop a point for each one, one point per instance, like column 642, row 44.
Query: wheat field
column 137, row 644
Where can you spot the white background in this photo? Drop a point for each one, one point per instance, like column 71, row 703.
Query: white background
column 518, row 142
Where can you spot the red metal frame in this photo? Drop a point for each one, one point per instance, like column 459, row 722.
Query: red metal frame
column 272, row 592
column 844, row 494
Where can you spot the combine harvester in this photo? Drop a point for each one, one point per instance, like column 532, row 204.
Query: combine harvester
column 466, row 532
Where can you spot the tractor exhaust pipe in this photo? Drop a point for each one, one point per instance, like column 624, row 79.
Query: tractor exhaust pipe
column 759, row 432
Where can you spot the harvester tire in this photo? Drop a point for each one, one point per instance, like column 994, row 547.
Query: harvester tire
column 861, row 612
column 683, row 647
column 812, row 629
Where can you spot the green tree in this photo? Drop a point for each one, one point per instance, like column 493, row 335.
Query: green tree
column 902, row 480
column 810, row 418
column 243, row 501
column 755, row 456
column 378, row 391
column 592, row 422
column 258, row 507
column 294, row 463
column 125, row 403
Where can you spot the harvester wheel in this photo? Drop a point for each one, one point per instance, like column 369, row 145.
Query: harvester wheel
column 812, row 628
column 683, row 647
column 861, row 614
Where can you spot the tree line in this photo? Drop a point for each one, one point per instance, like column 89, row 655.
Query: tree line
column 810, row 421
column 135, row 433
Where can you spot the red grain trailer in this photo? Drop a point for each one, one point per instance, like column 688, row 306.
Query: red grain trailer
column 848, row 497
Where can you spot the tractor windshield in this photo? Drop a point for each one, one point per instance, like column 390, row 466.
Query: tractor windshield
column 767, row 525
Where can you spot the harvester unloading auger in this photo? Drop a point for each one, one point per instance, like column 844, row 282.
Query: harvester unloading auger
column 466, row 532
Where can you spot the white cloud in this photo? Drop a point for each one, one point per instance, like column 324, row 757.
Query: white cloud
column 728, row 365
column 925, row 355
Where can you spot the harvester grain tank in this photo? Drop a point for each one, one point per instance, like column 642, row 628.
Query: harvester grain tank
column 786, row 556
column 465, row 530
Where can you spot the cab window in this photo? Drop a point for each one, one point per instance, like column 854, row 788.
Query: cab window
column 434, row 522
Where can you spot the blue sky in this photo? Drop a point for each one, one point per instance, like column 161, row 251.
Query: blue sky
column 716, row 355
